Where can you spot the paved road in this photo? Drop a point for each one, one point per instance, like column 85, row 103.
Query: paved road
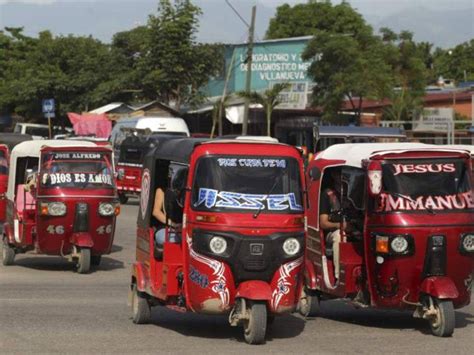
column 47, row 308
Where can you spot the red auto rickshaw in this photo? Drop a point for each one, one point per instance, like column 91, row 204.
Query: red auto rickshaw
column 238, row 208
column 410, row 240
column 62, row 201
column 7, row 142
column 130, row 154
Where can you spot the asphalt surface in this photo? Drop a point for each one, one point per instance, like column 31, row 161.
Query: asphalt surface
column 45, row 307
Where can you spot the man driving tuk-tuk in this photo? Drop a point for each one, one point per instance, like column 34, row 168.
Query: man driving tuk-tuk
column 415, row 250
column 61, row 200
column 232, row 216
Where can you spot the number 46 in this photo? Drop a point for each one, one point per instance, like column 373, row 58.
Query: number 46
column 104, row 229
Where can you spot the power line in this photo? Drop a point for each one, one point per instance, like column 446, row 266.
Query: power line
column 237, row 13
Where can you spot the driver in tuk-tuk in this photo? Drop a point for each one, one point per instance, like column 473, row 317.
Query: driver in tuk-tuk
column 331, row 217
column 165, row 196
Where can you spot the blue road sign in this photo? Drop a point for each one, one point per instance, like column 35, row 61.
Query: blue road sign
column 48, row 106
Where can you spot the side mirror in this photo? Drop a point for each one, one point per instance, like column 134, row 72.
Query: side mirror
column 315, row 174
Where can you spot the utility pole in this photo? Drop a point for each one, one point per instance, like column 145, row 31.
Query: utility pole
column 248, row 81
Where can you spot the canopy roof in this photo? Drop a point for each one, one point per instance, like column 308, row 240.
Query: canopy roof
column 356, row 131
column 355, row 153
column 32, row 148
column 12, row 139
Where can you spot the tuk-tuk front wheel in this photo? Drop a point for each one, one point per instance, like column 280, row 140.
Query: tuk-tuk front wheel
column 443, row 321
column 8, row 254
column 255, row 327
column 141, row 310
column 123, row 199
column 84, row 262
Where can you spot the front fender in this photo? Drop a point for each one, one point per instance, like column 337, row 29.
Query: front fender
column 441, row 287
column 254, row 290
column 82, row 240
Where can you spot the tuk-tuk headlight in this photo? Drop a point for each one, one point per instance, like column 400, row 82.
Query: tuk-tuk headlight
column 291, row 246
column 218, row 245
column 56, row 209
column 106, row 209
column 468, row 242
column 399, row 244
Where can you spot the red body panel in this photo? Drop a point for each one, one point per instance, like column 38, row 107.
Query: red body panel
column 209, row 284
column 3, row 184
column 397, row 278
column 131, row 181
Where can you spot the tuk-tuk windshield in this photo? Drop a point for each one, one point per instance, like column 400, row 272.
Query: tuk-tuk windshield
column 3, row 163
column 131, row 155
column 247, row 184
column 432, row 185
column 76, row 169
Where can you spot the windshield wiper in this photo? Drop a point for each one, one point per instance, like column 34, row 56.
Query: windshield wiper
column 277, row 180
column 408, row 198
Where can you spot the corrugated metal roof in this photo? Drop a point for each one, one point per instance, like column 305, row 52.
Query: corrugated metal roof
column 109, row 107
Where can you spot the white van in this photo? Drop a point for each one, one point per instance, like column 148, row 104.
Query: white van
column 168, row 125
column 37, row 131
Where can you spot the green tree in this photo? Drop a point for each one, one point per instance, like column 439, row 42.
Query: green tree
column 69, row 69
column 269, row 99
column 347, row 61
column 408, row 63
column 456, row 63
column 174, row 66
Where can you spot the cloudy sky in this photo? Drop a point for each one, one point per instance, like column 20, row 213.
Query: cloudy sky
column 443, row 22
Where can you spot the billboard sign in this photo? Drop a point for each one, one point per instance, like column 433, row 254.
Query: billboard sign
column 434, row 119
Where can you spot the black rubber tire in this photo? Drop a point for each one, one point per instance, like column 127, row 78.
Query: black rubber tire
column 309, row 305
column 255, row 328
column 84, row 262
column 96, row 259
column 8, row 254
column 123, row 199
column 141, row 310
column 443, row 325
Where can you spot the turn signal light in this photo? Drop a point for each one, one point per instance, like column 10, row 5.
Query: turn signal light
column 208, row 219
column 117, row 209
column 44, row 209
column 381, row 245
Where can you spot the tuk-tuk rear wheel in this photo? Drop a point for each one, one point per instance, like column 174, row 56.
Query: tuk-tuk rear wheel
column 8, row 254
column 84, row 262
column 141, row 310
column 96, row 259
column 442, row 324
column 309, row 304
column 255, row 327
